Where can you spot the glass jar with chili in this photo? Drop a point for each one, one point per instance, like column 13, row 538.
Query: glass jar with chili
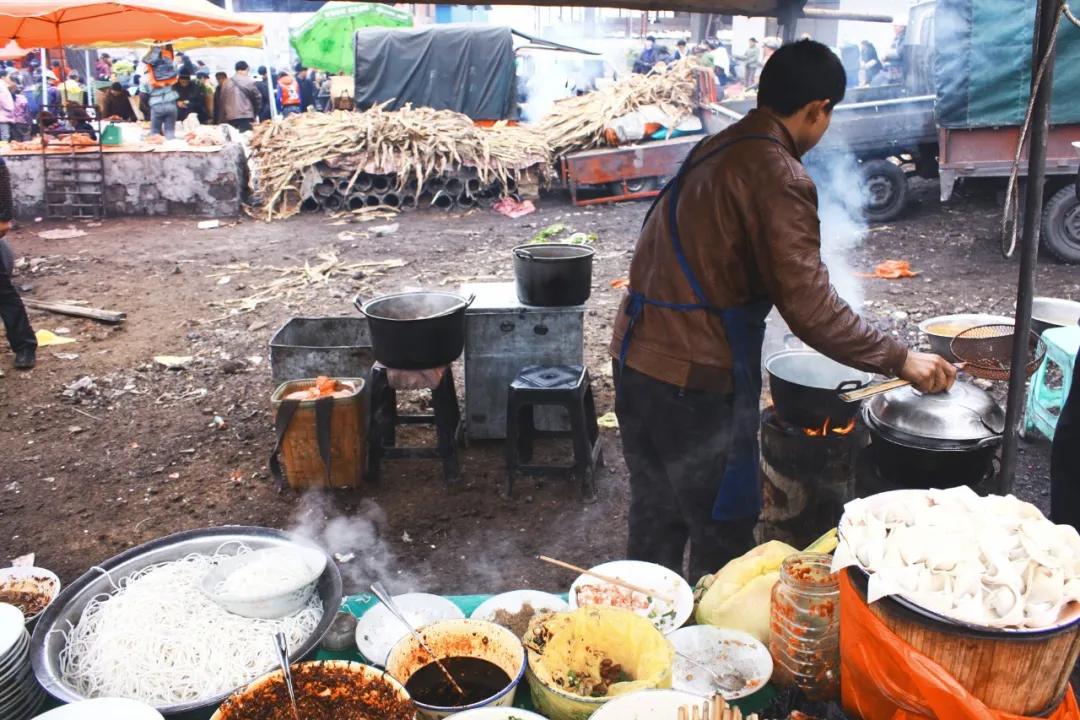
column 804, row 636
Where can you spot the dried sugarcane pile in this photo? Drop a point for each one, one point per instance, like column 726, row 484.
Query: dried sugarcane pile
column 397, row 159
column 578, row 123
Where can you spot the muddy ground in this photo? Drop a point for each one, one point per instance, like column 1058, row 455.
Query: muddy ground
column 147, row 451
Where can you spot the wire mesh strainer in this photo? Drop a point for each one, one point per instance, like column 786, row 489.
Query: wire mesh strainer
column 986, row 351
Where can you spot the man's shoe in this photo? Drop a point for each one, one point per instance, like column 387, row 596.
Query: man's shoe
column 25, row 359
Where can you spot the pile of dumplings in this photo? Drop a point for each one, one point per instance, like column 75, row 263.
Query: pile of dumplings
column 991, row 561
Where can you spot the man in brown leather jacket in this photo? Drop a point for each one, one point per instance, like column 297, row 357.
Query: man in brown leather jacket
column 733, row 234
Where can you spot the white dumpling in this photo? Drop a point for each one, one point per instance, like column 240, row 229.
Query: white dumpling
column 1004, row 605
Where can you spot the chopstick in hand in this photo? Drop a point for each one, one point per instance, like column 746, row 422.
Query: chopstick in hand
column 614, row 581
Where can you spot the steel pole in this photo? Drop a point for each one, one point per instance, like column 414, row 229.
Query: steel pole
column 1045, row 20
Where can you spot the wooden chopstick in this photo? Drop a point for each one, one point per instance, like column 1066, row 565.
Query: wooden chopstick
column 614, row 581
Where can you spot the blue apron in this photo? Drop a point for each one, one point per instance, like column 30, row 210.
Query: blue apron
column 739, row 494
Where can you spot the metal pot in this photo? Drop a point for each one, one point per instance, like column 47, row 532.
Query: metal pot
column 553, row 275
column 416, row 330
column 805, row 388
column 1048, row 312
column 941, row 440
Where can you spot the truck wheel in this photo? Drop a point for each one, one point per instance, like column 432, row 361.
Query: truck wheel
column 1061, row 225
column 635, row 185
column 886, row 190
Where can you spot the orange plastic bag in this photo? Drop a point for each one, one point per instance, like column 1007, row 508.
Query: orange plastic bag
column 884, row 678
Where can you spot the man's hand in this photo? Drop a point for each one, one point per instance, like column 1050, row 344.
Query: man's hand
column 928, row 372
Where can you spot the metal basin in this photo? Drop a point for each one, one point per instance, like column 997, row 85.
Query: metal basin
column 941, row 341
column 1048, row 312
column 48, row 639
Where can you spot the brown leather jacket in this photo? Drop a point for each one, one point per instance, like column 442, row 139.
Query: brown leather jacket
column 749, row 228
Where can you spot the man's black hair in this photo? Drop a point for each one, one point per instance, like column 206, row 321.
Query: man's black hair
column 241, row 65
column 798, row 74
column 116, row 87
column 681, row 43
column 651, row 38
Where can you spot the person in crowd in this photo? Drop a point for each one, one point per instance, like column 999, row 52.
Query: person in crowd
column 20, row 334
column 849, row 57
column 264, row 113
column 71, row 89
column 308, row 90
column 736, row 232
column 160, row 107
column 79, row 120
column 190, row 99
column 7, row 106
column 202, row 80
column 240, row 99
column 200, row 67
column 103, row 67
column 220, row 78
column 869, row 64
column 117, row 104
column 648, row 56
column 751, row 62
column 23, row 127
column 288, row 94
column 680, row 50
column 184, row 64
column 323, row 103
column 58, row 69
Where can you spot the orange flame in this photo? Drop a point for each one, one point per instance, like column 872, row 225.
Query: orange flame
column 824, row 430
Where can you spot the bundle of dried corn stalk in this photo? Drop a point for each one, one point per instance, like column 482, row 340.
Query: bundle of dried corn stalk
column 578, row 123
column 412, row 144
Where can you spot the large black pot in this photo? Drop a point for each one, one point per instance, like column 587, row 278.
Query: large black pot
column 416, row 330
column 553, row 275
column 942, row 440
column 805, row 388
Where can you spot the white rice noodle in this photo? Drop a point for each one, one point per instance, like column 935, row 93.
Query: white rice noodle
column 160, row 640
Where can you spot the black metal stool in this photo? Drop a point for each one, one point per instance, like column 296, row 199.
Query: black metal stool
column 565, row 386
column 384, row 420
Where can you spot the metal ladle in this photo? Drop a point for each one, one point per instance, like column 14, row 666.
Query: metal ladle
column 282, row 647
column 386, row 599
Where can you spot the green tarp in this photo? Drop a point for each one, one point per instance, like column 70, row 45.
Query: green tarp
column 983, row 64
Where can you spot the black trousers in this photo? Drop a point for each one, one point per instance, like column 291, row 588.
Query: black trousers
column 242, row 124
column 1065, row 460
column 676, row 444
column 19, row 333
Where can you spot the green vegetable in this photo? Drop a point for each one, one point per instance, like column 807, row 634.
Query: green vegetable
column 563, row 234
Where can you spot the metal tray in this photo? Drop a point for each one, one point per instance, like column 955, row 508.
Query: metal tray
column 48, row 640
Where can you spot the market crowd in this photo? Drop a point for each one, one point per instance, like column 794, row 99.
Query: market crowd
column 161, row 87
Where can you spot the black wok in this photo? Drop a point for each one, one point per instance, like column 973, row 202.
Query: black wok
column 806, row 386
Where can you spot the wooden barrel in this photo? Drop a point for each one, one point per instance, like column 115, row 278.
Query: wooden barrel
column 1019, row 672
column 348, row 439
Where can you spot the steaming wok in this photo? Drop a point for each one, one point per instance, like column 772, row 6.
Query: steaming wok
column 416, row 330
column 806, row 388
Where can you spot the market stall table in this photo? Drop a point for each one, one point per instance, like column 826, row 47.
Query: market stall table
column 173, row 178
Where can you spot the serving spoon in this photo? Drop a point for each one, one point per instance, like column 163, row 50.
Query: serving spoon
column 386, row 599
column 726, row 683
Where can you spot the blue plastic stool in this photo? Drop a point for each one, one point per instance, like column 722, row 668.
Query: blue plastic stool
column 1044, row 402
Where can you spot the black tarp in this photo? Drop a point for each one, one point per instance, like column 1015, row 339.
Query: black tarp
column 465, row 68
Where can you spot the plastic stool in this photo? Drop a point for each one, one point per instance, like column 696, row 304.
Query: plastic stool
column 384, row 419
column 1044, row 403
column 565, row 386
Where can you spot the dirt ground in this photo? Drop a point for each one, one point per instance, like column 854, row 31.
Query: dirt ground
column 147, row 451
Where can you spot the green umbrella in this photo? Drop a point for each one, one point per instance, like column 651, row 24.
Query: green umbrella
column 325, row 41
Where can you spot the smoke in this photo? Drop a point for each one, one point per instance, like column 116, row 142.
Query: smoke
column 841, row 197
column 360, row 534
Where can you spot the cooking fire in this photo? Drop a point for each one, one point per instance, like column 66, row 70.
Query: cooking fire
column 825, row 429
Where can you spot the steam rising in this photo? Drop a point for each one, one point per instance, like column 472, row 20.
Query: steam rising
column 843, row 228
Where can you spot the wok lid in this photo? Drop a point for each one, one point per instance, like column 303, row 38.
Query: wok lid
column 963, row 416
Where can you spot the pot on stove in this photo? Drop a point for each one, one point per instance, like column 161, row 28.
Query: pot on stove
column 940, row 441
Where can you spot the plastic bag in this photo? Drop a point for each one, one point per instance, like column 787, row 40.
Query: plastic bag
column 879, row 672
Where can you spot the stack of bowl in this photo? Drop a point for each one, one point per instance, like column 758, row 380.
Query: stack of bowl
column 20, row 695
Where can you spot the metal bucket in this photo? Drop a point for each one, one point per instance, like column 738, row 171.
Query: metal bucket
column 331, row 346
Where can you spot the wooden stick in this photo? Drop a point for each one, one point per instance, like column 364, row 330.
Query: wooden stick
column 682, row 713
column 614, row 581
column 106, row 316
column 696, row 715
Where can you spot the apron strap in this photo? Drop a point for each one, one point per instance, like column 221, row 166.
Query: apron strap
column 282, row 420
